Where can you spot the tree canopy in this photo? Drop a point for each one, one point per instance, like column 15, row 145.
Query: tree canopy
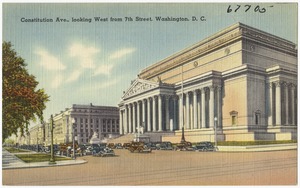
column 22, row 102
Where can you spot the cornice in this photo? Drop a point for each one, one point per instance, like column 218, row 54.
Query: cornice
column 228, row 35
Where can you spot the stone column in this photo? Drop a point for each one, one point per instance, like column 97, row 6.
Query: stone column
column 270, row 105
column 286, row 99
column 203, row 110
column 138, row 115
column 219, row 103
column 187, row 107
column 211, row 106
column 167, row 113
column 125, row 119
column 133, row 118
column 148, row 115
column 180, row 111
column 195, row 107
column 159, row 113
column 121, row 122
column 278, row 103
column 129, row 118
column 144, row 115
column 293, row 104
column 292, row 86
column 154, row 114
column 175, row 117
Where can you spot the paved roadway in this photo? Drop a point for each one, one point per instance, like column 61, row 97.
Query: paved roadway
column 167, row 168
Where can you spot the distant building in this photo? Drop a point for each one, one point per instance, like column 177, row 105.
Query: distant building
column 242, row 79
column 87, row 119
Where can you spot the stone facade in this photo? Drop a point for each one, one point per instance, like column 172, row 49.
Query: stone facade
column 242, row 79
column 87, row 119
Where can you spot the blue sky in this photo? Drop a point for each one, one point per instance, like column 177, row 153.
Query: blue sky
column 82, row 63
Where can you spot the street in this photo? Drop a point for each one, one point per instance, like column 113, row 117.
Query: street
column 167, row 168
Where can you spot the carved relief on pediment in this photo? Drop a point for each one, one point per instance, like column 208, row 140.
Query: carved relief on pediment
column 139, row 87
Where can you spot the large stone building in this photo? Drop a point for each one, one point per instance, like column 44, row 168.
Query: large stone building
column 242, row 79
column 86, row 120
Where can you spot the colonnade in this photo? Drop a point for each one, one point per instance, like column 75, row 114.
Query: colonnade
column 193, row 109
column 282, row 103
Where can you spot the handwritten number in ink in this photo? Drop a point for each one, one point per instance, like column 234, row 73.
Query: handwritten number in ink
column 247, row 8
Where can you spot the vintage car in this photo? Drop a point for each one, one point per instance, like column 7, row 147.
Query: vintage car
column 139, row 147
column 118, row 146
column 126, row 145
column 164, row 146
column 111, row 145
column 104, row 152
column 204, row 146
column 151, row 145
column 184, row 146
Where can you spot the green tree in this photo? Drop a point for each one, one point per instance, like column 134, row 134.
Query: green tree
column 22, row 102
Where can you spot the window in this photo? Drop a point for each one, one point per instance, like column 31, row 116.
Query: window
column 81, row 120
column 234, row 116
column 86, row 120
column 233, row 120
column 257, row 117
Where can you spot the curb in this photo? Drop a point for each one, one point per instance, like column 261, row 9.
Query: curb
column 254, row 148
column 45, row 164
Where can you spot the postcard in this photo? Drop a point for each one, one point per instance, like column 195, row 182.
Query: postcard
column 149, row 94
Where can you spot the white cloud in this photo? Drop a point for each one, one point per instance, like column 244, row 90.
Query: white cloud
column 103, row 69
column 49, row 61
column 84, row 54
column 74, row 76
column 121, row 53
column 98, row 86
column 56, row 81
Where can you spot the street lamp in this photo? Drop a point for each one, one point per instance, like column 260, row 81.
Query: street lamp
column 52, row 159
column 73, row 137
column 216, row 119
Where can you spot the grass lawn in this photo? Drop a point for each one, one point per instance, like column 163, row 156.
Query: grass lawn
column 15, row 150
column 39, row 157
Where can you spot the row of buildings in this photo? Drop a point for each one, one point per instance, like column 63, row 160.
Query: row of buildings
column 240, row 82
column 79, row 120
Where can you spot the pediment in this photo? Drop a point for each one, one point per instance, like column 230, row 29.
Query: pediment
column 140, row 86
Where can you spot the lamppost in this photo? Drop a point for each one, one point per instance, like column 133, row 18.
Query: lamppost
column 37, row 138
column 216, row 119
column 52, row 159
column 73, row 137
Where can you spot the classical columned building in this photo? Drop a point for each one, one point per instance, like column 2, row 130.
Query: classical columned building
column 241, row 80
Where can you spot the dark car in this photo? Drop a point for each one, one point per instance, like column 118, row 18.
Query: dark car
column 118, row 146
column 204, row 146
column 184, row 146
column 103, row 152
column 126, row 145
column 164, row 146
column 151, row 145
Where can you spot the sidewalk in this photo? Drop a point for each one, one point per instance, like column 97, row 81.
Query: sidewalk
column 10, row 161
column 257, row 148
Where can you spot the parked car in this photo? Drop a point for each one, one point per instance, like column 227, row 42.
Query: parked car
column 111, row 145
column 126, row 145
column 164, row 146
column 204, row 146
column 139, row 147
column 89, row 150
column 151, row 145
column 118, row 146
column 184, row 146
column 104, row 152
